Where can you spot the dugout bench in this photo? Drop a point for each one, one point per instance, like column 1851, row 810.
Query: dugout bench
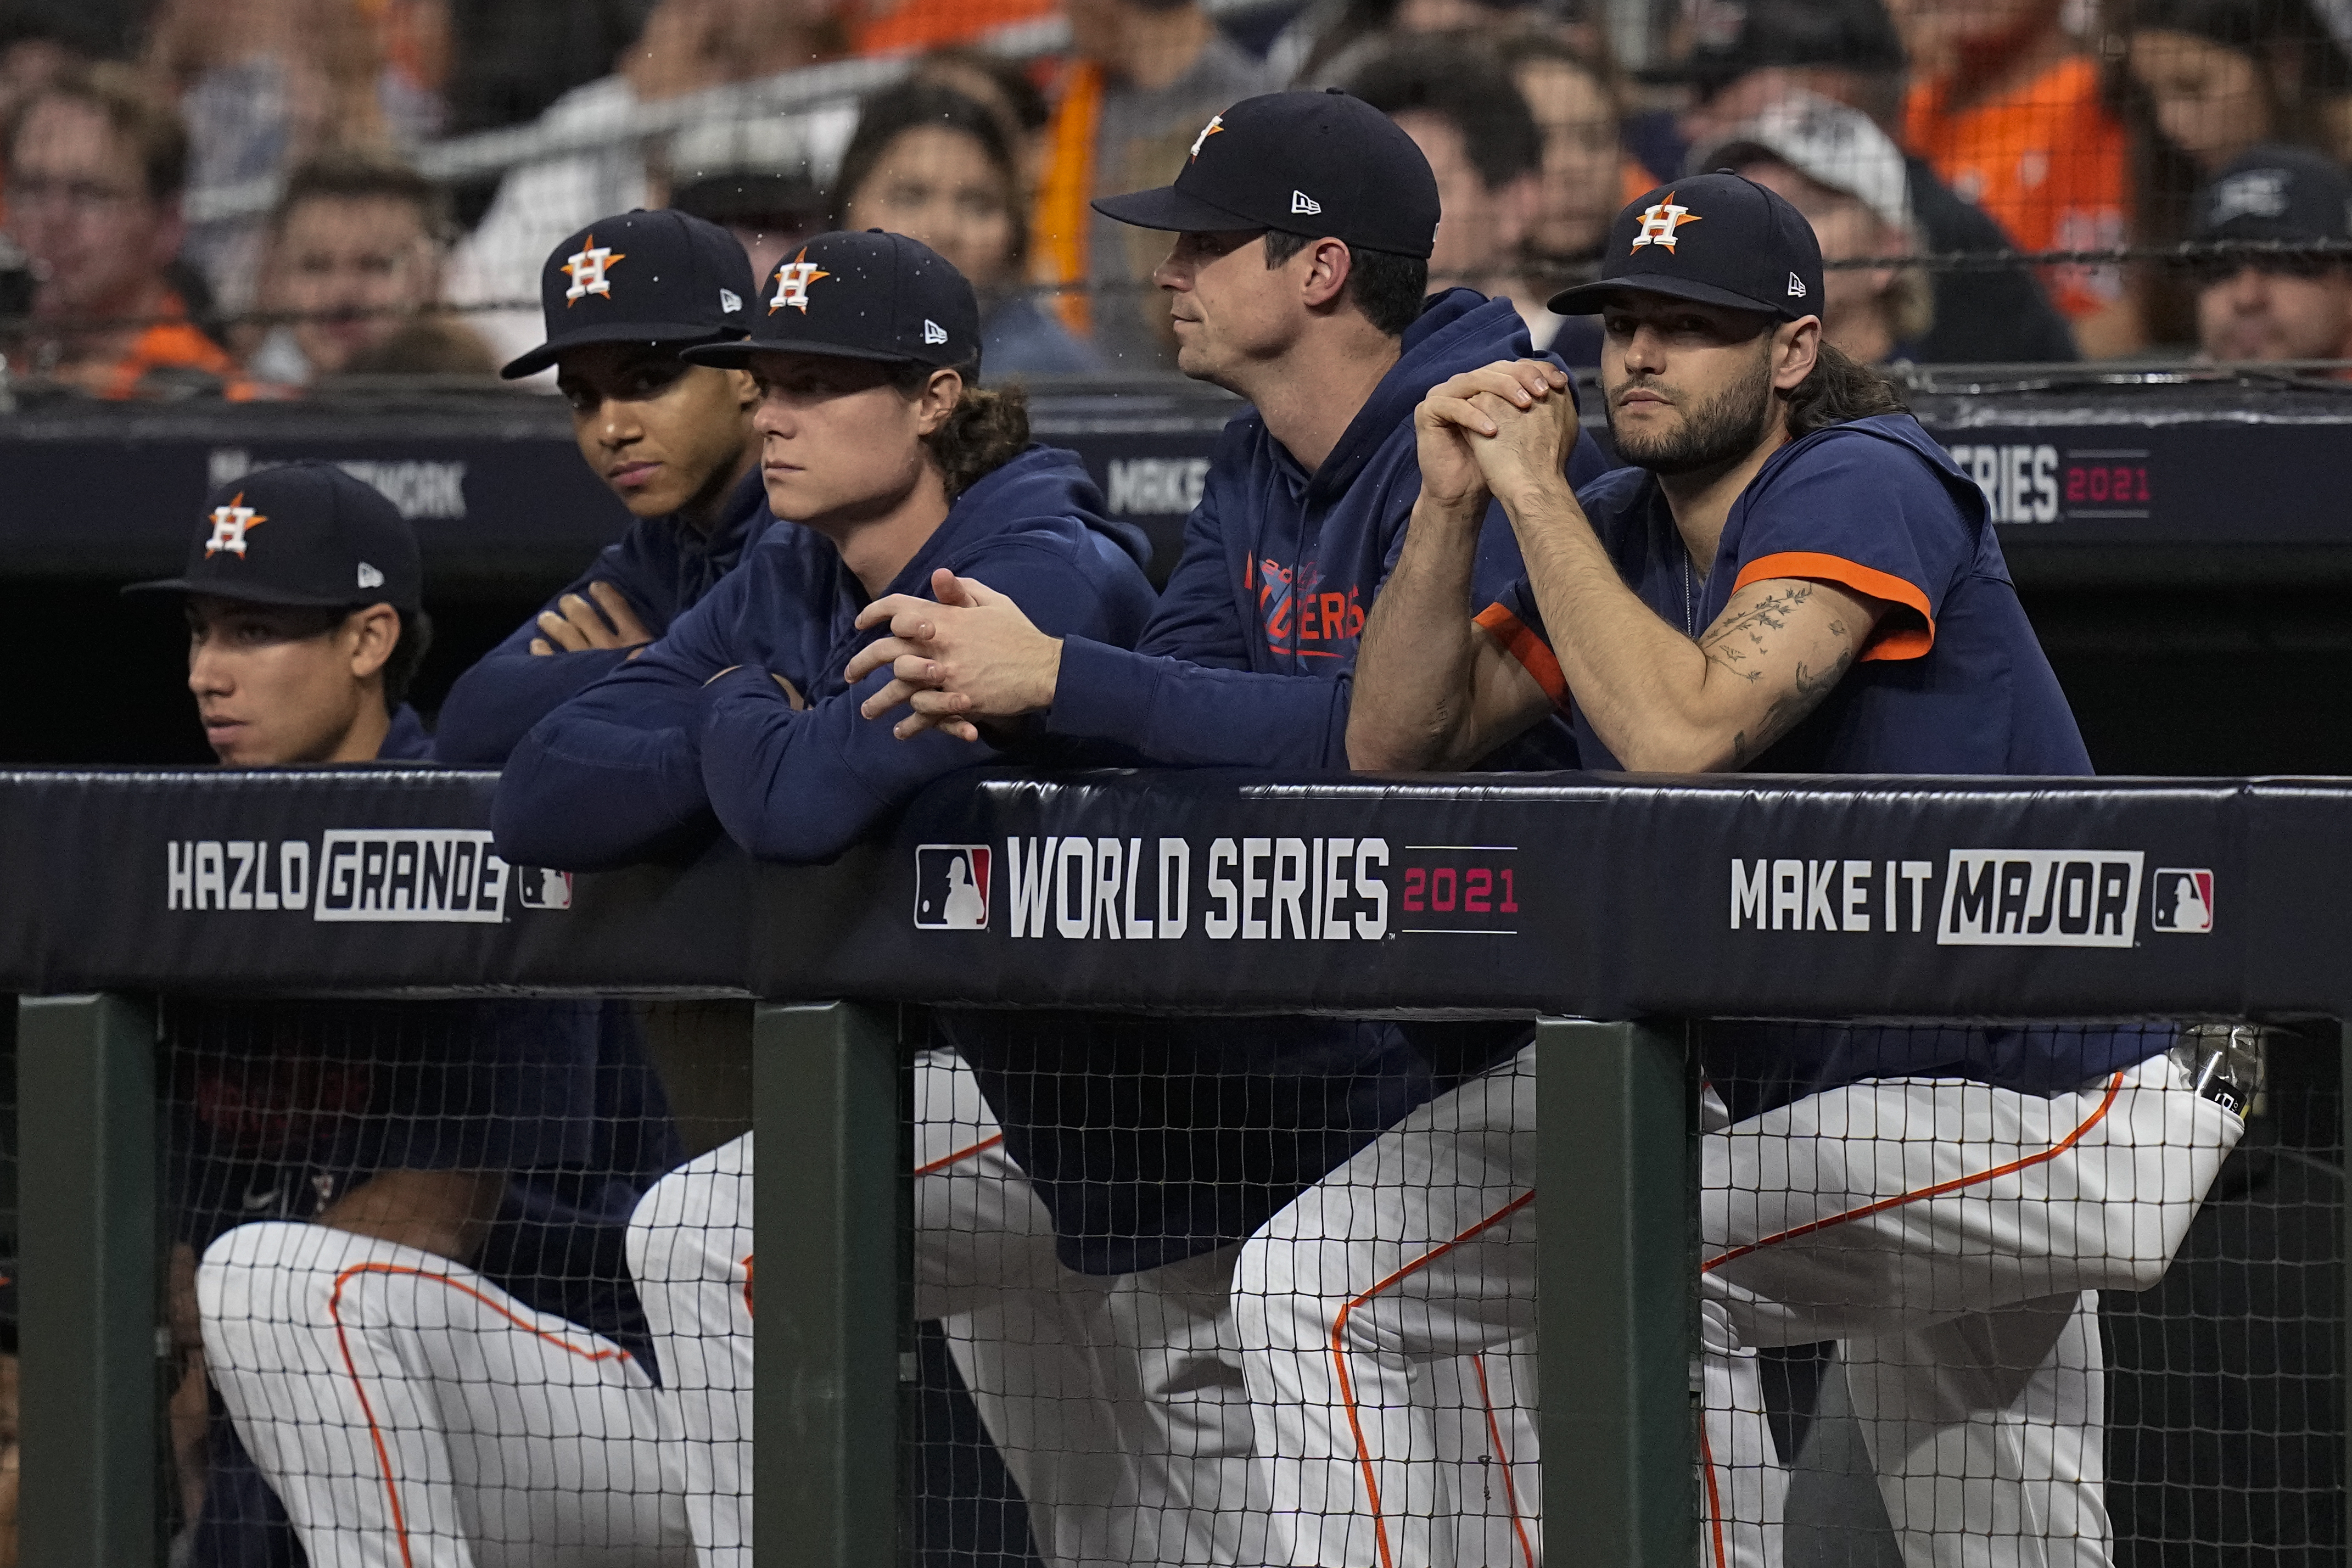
column 1610, row 907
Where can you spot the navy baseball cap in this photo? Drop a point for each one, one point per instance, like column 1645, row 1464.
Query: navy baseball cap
column 871, row 296
column 1310, row 164
column 1717, row 238
column 2279, row 193
column 643, row 276
column 307, row 534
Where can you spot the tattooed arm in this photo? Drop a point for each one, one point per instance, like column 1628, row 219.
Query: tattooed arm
column 1660, row 702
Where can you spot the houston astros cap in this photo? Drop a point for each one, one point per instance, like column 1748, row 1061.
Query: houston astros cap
column 643, row 276
column 2277, row 193
column 307, row 534
column 1311, row 163
column 872, row 296
column 1716, row 239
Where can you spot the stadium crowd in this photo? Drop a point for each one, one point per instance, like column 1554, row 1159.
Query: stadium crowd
column 223, row 197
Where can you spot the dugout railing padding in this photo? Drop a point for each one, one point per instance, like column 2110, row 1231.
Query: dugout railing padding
column 1609, row 908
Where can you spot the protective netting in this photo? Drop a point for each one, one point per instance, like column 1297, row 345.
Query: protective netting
column 1260, row 1304
column 1989, row 183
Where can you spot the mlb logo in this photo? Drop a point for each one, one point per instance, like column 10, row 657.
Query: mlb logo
column 2180, row 899
column 952, row 886
column 538, row 887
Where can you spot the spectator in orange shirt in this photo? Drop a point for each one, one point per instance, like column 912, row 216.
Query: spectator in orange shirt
column 95, row 167
column 1143, row 80
column 2016, row 122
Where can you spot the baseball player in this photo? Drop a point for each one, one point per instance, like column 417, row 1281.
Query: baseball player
column 673, row 441
column 891, row 464
column 1302, row 225
column 412, row 1300
column 1793, row 577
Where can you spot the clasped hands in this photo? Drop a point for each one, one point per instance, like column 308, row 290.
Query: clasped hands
column 1492, row 430
column 966, row 655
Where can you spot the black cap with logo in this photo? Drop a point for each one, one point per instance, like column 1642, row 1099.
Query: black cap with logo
column 1311, row 163
column 871, row 296
column 307, row 534
column 1717, row 238
column 2277, row 193
column 643, row 276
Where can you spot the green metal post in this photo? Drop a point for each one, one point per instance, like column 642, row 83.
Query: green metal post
column 86, row 1242
column 1615, row 1288
column 825, row 1092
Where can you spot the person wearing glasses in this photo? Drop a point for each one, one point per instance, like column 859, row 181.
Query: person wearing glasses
column 94, row 169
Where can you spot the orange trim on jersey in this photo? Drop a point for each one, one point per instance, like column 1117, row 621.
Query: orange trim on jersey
column 2115, row 1087
column 942, row 1162
column 1713, row 1494
column 1891, row 643
column 1503, row 1458
column 350, row 1369
column 747, row 1284
column 1347, row 1384
column 1535, row 656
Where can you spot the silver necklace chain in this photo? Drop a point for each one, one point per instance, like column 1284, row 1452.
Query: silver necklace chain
column 1690, row 603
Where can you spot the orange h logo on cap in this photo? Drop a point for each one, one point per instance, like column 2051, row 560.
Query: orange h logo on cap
column 1660, row 221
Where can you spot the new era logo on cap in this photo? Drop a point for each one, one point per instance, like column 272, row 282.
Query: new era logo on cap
column 933, row 332
column 652, row 277
column 332, row 539
column 1718, row 239
column 1315, row 164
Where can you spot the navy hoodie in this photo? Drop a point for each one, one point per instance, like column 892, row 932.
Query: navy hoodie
column 662, row 565
column 640, row 761
column 1278, row 571
column 1153, row 1139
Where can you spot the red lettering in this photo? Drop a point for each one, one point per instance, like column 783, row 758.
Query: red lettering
column 2074, row 484
column 1415, row 885
column 1355, row 615
column 1335, row 616
column 1308, row 630
column 1477, row 888
column 1278, row 624
column 1441, row 889
column 1510, row 904
column 2142, row 483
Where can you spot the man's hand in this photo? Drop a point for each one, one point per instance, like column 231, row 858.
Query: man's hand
column 970, row 655
column 1467, row 424
column 575, row 625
